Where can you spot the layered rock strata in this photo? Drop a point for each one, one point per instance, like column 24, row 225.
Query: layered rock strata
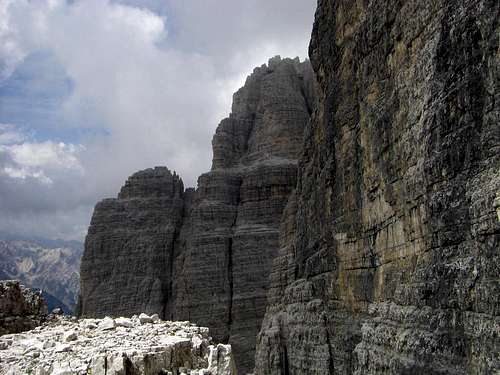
column 136, row 346
column 232, row 232
column 389, row 250
column 205, row 255
column 128, row 250
column 21, row 309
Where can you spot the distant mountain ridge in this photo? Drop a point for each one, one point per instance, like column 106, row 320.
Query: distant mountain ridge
column 50, row 265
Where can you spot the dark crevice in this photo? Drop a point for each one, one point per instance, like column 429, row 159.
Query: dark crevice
column 129, row 367
column 230, row 265
column 168, row 293
column 309, row 106
column 285, row 368
column 249, row 133
column 329, row 344
column 230, row 279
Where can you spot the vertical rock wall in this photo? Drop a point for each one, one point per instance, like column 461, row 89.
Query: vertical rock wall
column 205, row 255
column 389, row 253
column 222, row 270
column 127, row 263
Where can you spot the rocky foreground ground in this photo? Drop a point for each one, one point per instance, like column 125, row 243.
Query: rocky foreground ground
column 140, row 345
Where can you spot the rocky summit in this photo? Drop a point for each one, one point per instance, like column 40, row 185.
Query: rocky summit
column 126, row 264
column 204, row 255
column 142, row 345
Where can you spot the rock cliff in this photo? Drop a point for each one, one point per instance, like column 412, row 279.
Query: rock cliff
column 127, row 260
column 389, row 249
column 205, row 255
column 232, row 233
column 21, row 309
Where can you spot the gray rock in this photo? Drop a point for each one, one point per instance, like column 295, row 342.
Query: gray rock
column 231, row 234
column 90, row 325
column 211, row 248
column 57, row 311
column 63, row 348
column 389, row 251
column 124, row 322
column 130, row 242
column 162, row 348
column 21, row 309
column 144, row 318
column 70, row 336
column 61, row 369
column 220, row 360
column 155, row 318
column 107, row 323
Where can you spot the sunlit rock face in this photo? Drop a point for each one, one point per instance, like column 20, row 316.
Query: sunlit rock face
column 389, row 250
column 205, row 255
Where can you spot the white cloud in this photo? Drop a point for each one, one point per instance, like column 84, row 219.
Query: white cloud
column 9, row 134
column 24, row 173
column 157, row 84
column 10, row 52
column 48, row 154
column 36, row 160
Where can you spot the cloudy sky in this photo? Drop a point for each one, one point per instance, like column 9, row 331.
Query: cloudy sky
column 94, row 90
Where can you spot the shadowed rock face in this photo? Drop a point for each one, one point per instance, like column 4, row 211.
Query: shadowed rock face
column 126, row 266
column 205, row 255
column 231, row 236
column 389, row 251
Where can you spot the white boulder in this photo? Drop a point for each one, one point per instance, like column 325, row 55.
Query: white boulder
column 144, row 318
column 70, row 336
column 107, row 323
column 124, row 322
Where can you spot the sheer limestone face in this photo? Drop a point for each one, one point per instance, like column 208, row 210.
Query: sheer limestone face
column 205, row 255
column 389, row 253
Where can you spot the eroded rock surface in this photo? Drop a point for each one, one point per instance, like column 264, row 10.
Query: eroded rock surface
column 205, row 255
column 21, row 309
column 389, row 252
column 65, row 346
column 231, row 236
column 127, row 260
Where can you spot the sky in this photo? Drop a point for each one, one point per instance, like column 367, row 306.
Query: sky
column 93, row 90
